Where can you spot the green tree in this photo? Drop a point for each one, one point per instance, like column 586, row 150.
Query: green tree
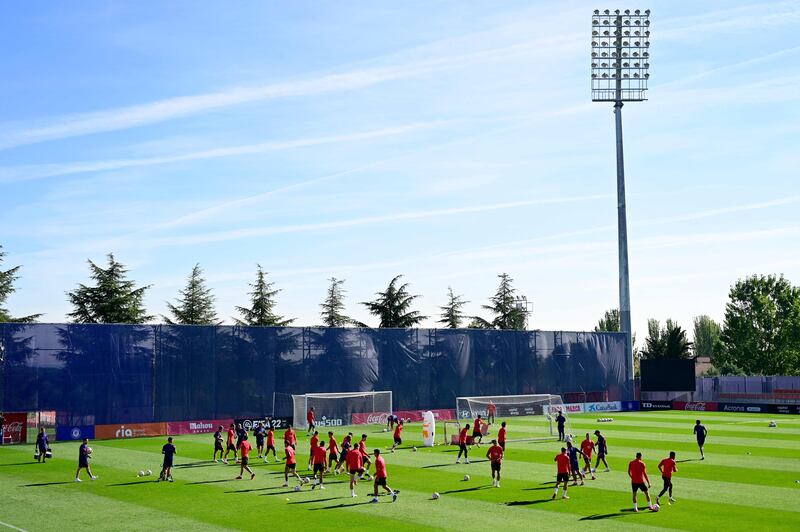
column 761, row 331
column 7, row 279
column 726, row 368
column 503, row 304
column 609, row 322
column 393, row 306
column 261, row 312
column 333, row 306
column 706, row 336
column 452, row 316
column 667, row 342
column 112, row 299
column 194, row 304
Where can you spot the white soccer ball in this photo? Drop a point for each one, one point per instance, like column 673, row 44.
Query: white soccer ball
column 89, row 450
column 414, row 449
column 466, row 477
column 655, row 507
column 141, row 473
column 306, row 480
column 773, row 424
column 297, row 488
column 435, row 495
column 385, row 430
column 149, row 472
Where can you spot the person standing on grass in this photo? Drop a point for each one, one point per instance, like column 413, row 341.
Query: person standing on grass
column 587, row 447
column 260, row 432
column 495, row 456
column 314, row 444
column 241, row 434
column 320, row 459
column 560, row 421
column 270, row 445
column 602, row 451
column 639, row 480
column 491, row 410
column 290, row 437
column 562, row 472
column 84, row 454
column 311, row 419
column 333, row 452
column 667, row 467
column 380, row 477
column 398, row 438
column 701, row 433
column 355, row 467
column 574, row 463
column 501, row 436
column 365, row 460
column 244, row 451
column 218, row 443
column 42, row 445
column 477, row 433
column 231, row 445
column 291, row 465
column 347, row 445
column 169, row 451
column 462, row 445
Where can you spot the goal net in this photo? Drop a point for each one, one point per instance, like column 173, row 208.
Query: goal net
column 344, row 408
column 544, row 406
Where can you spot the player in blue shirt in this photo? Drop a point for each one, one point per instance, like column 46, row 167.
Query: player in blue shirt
column 42, row 446
column 169, row 452
column 575, row 468
column 84, row 454
column 701, row 433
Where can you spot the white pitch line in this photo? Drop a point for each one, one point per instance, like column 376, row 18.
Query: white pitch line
column 13, row 527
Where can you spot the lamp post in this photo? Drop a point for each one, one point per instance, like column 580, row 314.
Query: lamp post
column 620, row 71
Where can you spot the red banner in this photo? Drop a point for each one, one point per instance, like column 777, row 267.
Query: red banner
column 202, row 426
column 695, row 406
column 380, row 418
column 15, row 429
column 129, row 430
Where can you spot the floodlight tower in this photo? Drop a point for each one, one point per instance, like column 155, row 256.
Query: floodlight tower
column 620, row 70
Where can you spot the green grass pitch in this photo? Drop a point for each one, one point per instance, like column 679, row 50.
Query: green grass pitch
column 749, row 481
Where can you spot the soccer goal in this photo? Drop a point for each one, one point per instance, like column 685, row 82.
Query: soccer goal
column 344, row 408
column 545, row 407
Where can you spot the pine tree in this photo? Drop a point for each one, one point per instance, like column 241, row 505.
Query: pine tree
column 452, row 317
column 393, row 306
column 113, row 298
column 7, row 279
column 508, row 316
column 609, row 322
column 195, row 303
column 261, row 312
column 333, row 306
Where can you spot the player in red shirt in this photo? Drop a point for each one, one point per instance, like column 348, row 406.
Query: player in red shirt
column 320, row 458
column 314, row 443
column 362, row 449
column 271, row 446
column 290, row 438
column 398, row 431
column 245, row 449
column 333, row 452
column 477, row 432
column 311, row 420
column 562, row 475
column 231, row 444
column 587, row 447
column 380, row 477
column 638, row 473
column 291, row 466
column 355, row 467
column 491, row 410
column 667, row 467
column 495, row 456
column 462, row 445
column 501, row 436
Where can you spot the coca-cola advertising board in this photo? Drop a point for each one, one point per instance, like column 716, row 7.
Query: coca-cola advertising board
column 695, row 406
column 380, row 418
column 15, row 428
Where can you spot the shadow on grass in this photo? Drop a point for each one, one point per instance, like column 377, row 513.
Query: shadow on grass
column 537, row 489
column 19, row 463
column 687, row 460
column 438, row 465
column 476, row 488
column 205, row 463
column 46, row 484
column 526, row 503
column 597, row 517
column 133, row 483
column 336, row 506
column 212, row 481
column 317, row 500
column 252, row 489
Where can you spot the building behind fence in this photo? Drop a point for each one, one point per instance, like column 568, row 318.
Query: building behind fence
column 735, row 389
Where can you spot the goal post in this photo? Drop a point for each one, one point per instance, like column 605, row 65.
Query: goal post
column 544, row 406
column 342, row 408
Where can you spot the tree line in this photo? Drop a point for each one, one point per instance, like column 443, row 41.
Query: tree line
column 760, row 333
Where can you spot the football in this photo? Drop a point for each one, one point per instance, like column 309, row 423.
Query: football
column 89, row 450
column 297, row 488
column 435, row 495
column 414, row 449
column 655, row 508
column 385, row 430
column 141, row 473
column 149, row 472
column 466, row 477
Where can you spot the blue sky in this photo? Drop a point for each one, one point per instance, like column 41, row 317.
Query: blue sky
column 447, row 141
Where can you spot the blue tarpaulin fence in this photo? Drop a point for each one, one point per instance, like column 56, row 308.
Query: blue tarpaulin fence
column 151, row 373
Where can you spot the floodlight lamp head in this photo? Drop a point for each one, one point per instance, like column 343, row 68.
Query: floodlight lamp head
column 596, row 11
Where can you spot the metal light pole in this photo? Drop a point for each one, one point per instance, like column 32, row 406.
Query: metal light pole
column 620, row 70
